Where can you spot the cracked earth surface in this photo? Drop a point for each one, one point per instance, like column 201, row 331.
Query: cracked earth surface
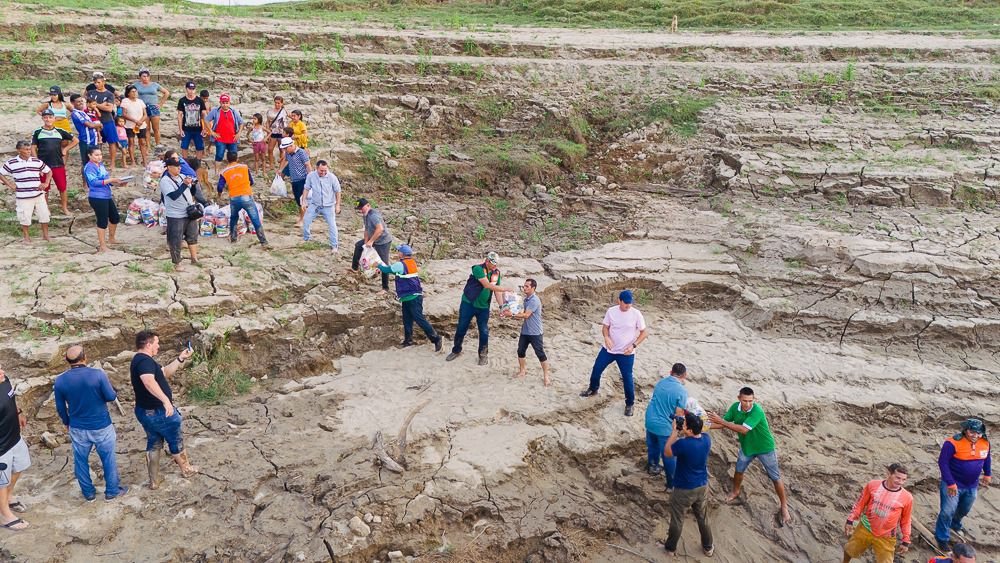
column 842, row 260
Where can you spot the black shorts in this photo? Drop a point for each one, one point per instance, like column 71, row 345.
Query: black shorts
column 84, row 150
column 276, row 136
column 106, row 212
column 131, row 134
column 536, row 344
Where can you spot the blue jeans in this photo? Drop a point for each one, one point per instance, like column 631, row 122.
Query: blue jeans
column 331, row 222
column 953, row 509
column 465, row 314
column 625, row 363
column 199, row 141
column 413, row 311
column 103, row 440
column 655, row 444
column 161, row 428
column 222, row 148
column 245, row 202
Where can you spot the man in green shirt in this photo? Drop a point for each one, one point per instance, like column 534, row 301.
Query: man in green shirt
column 482, row 286
column 747, row 419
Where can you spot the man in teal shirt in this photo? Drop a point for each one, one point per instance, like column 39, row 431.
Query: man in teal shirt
column 410, row 293
column 668, row 402
column 482, row 285
column 747, row 419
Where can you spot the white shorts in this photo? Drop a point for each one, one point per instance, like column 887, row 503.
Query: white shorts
column 34, row 205
column 16, row 459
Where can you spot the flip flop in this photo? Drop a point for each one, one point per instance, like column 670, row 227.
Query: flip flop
column 10, row 525
column 18, row 506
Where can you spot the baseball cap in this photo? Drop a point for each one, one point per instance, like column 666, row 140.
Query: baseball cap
column 143, row 70
column 224, row 98
column 47, row 111
column 975, row 425
column 405, row 249
column 625, row 297
column 287, row 142
column 97, row 74
column 494, row 258
column 361, row 203
column 22, row 144
column 55, row 90
column 189, row 85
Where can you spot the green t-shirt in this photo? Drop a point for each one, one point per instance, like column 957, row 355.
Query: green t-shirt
column 483, row 301
column 759, row 439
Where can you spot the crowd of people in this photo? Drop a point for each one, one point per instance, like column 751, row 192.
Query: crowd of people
column 678, row 443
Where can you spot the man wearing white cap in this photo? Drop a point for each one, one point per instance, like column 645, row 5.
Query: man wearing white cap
column 297, row 169
column 482, row 287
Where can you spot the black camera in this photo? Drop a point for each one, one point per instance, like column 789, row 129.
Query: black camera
column 679, row 422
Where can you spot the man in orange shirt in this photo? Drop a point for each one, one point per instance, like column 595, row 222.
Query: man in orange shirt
column 883, row 506
column 237, row 178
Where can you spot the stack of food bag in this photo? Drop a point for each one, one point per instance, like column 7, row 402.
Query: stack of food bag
column 222, row 222
column 143, row 210
column 208, row 221
column 370, row 261
column 512, row 302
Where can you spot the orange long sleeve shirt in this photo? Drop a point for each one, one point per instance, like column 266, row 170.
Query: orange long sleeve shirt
column 881, row 510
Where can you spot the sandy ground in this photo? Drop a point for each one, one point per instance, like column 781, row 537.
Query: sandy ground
column 868, row 325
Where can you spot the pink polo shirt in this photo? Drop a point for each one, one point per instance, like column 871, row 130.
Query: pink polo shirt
column 624, row 327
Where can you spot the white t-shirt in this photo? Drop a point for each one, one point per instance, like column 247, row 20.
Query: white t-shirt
column 624, row 327
column 132, row 111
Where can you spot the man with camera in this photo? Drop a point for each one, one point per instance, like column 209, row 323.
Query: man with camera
column 690, row 446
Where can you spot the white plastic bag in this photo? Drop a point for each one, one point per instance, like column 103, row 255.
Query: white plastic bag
column 278, row 187
column 512, row 302
column 370, row 261
column 694, row 408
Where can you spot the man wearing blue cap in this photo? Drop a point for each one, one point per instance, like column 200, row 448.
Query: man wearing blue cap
column 411, row 296
column 624, row 330
column 965, row 457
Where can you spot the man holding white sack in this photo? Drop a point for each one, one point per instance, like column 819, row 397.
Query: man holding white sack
column 531, row 330
column 376, row 236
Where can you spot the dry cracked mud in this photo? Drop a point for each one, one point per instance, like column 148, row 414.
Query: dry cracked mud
column 826, row 232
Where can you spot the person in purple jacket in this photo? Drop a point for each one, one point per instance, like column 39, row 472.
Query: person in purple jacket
column 82, row 397
column 964, row 457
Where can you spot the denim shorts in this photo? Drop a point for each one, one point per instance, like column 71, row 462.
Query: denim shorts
column 161, row 428
column 152, row 110
column 768, row 460
column 199, row 141
column 222, row 148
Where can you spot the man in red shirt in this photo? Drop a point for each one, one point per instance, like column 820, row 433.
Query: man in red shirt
column 225, row 125
column 884, row 505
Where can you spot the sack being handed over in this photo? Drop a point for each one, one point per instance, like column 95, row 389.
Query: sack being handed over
column 512, row 302
column 370, row 261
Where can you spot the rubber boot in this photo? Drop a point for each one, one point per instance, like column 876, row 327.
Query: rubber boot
column 187, row 470
column 153, row 467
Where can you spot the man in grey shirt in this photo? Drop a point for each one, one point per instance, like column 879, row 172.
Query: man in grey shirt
column 531, row 330
column 322, row 196
column 376, row 235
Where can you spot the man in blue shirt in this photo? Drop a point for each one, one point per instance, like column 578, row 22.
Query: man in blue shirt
column 690, row 446
column 297, row 169
column 668, row 401
column 82, row 394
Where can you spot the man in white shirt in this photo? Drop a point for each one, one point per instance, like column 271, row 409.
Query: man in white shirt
column 322, row 197
column 624, row 330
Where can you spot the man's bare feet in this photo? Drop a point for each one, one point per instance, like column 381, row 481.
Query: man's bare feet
column 46, row 238
column 786, row 517
column 733, row 498
column 520, row 375
column 65, row 211
column 102, row 249
column 547, row 382
column 26, row 240
column 112, row 241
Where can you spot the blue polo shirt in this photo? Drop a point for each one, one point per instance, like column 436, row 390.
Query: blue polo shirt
column 668, row 395
column 82, row 396
column 692, row 461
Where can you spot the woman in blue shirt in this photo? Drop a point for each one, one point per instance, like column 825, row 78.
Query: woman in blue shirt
column 99, row 185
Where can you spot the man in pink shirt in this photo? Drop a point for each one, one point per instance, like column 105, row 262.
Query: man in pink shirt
column 624, row 330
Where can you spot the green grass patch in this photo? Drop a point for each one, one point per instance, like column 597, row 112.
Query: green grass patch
column 217, row 377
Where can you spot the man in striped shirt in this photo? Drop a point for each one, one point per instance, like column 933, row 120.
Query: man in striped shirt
column 884, row 505
column 29, row 178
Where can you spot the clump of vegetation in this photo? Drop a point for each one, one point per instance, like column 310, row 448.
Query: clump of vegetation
column 217, row 376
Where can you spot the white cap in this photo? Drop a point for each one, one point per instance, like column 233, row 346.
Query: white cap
column 287, row 142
